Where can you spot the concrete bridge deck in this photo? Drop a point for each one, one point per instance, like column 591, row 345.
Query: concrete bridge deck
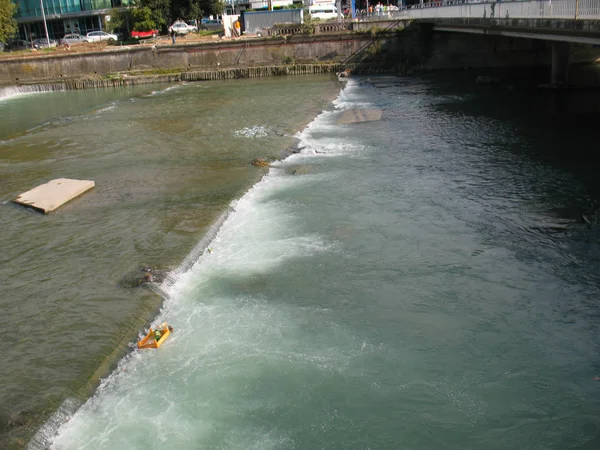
column 560, row 22
column 576, row 21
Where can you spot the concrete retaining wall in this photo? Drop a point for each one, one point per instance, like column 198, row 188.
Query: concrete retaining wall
column 273, row 51
column 415, row 47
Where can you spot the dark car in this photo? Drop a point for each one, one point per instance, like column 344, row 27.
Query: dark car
column 16, row 45
column 44, row 43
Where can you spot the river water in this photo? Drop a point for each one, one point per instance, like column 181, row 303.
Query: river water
column 428, row 280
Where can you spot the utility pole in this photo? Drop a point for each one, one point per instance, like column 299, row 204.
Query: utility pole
column 45, row 24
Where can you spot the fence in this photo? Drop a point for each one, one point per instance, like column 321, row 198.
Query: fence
column 327, row 27
column 540, row 9
column 255, row 21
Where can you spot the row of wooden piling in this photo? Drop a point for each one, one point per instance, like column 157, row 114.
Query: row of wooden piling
column 259, row 72
column 201, row 75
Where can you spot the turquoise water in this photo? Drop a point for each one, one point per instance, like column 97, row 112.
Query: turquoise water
column 429, row 280
column 167, row 161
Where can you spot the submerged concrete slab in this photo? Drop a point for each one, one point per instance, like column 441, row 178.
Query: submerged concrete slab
column 53, row 194
column 360, row 115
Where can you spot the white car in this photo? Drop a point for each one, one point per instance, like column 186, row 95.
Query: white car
column 73, row 39
column 97, row 36
column 182, row 28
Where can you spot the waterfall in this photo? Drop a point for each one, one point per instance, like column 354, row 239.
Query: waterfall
column 14, row 91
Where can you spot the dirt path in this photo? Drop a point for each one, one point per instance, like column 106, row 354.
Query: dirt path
column 105, row 46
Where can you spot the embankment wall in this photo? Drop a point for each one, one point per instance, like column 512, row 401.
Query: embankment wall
column 416, row 47
column 207, row 56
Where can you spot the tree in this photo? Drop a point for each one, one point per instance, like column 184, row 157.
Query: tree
column 142, row 19
column 195, row 9
column 8, row 24
column 120, row 19
column 159, row 12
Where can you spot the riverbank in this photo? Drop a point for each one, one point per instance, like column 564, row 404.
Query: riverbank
column 247, row 54
column 395, row 48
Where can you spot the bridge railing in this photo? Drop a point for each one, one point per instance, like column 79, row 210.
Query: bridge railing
column 545, row 9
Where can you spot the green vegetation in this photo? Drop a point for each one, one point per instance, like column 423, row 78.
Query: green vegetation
column 159, row 14
column 156, row 71
column 308, row 27
column 8, row 24
column 208, row 32
column 142, row 19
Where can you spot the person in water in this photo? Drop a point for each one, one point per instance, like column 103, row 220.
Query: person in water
column 147, row 278
column 158, row 333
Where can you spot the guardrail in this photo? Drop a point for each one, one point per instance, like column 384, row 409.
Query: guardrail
column 539, row 9
column 325, row 27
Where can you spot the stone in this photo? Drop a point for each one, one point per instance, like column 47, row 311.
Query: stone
column 260, row 163
column 360, row 115
column 52, row 195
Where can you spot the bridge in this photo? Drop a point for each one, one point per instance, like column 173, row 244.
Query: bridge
column 561, row 22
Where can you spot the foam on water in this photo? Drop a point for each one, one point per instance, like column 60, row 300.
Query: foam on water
column 351, row 97
column 12, row 92
column 257, row 131
column 107, row 108
column 164, row 91
column 226, row 335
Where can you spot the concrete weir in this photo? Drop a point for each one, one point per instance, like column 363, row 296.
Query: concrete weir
column 53, row 194
column 360, row 115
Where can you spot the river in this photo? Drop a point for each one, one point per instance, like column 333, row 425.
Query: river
column 428, row 280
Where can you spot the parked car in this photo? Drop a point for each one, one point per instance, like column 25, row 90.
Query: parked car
column 73, row 39
column 97, row 36
column 144, row 34
column 211, row 24
column 14, row 45
column 182, row 28
column 323, row 12
column 44, row 43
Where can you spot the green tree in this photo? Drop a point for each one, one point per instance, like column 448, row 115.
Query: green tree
column 8, row 24
column 120, row 19
column 142, row 19
column 195, row 9
column 160, row 12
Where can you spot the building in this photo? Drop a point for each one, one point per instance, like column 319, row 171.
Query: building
column 64, row 16
column 237, row 6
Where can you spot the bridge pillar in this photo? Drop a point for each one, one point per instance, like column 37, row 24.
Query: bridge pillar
column 560, row 64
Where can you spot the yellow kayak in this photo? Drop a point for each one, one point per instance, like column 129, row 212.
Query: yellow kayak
column 155, row 338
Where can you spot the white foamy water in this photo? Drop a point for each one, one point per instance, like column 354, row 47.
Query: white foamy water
column 11, row 92
column 384, row 296
column 227, row 333
column 164, row 91
column 257, row 131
